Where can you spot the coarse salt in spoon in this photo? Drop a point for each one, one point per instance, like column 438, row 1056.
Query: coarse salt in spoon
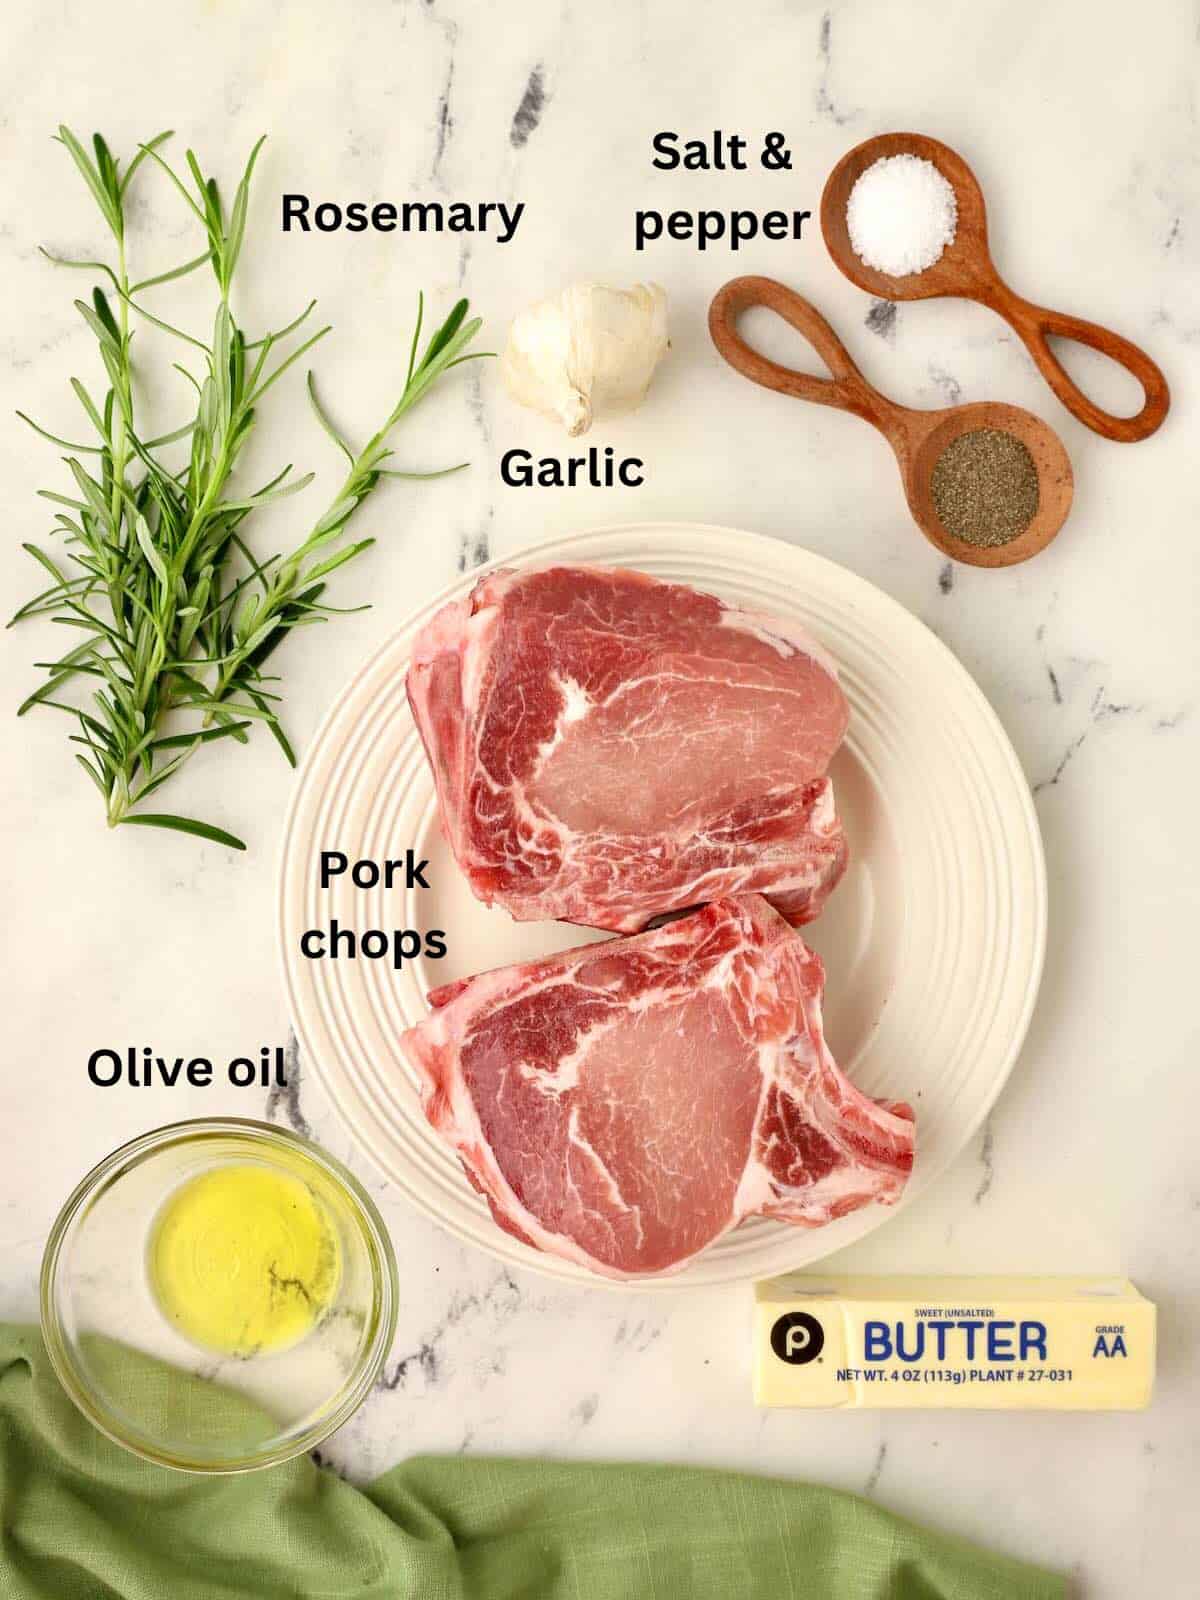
column 965, row 268
column 901, row 215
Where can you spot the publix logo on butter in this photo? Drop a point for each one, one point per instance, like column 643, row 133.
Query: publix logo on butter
column 797, row 1338
column 1032, row 1343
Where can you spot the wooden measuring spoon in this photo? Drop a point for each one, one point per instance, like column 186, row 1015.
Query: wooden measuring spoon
column 966, row 269
column 917, row 437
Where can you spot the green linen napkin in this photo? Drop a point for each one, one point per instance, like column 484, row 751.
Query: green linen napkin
column 82, row 1519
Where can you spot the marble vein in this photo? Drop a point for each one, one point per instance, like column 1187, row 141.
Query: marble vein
column 987, row 1153
column 876, row 1471
column 882, row 319
column 443, row 121
column 530, row 109
column 283, row 1104
column 499, row 1302
column 825, row 103
column 946, row 384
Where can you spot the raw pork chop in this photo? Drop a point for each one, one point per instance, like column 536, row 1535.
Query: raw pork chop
column 607, row 748
column 624, row 1104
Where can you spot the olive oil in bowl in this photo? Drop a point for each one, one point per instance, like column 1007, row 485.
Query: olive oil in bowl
column 218, row 1295
column 244, row 1260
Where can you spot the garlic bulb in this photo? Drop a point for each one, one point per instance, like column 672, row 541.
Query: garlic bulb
column 590, row 351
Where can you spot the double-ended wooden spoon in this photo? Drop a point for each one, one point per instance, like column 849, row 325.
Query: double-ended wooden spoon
column 966, row 269
column 917, row 437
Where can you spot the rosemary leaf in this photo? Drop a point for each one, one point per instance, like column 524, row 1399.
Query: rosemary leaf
column 203, row 830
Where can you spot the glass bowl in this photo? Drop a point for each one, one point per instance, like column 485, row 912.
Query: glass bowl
column 144, row 1384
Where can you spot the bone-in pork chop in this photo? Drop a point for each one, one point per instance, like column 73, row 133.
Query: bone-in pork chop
column 624, row 1104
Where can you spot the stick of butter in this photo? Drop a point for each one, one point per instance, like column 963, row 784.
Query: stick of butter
column 1037, row 1344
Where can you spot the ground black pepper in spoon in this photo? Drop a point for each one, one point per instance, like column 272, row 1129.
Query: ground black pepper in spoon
column 985, row 487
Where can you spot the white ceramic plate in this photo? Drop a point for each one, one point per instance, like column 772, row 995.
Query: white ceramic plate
column 933, row 943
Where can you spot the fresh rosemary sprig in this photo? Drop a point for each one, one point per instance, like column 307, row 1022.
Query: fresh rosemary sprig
column 179, row 615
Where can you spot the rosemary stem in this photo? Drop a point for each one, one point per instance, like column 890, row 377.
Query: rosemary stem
column 121, row 440
column 118, row 793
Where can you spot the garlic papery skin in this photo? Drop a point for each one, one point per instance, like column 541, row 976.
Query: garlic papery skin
column 588, row 352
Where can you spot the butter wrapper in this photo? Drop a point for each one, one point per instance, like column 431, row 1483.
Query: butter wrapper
column 895, row 1343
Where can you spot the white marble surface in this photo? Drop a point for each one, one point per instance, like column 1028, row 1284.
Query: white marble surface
column 1081, row 123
